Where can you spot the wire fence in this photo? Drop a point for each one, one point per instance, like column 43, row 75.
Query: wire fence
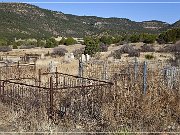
column 144, row 96
column 61, row 96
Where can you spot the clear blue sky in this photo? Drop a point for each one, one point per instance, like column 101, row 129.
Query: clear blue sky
column 168, row 12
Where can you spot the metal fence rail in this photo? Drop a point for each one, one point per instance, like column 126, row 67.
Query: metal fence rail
column 17, row 71
column 143, row 96
column 61, row 95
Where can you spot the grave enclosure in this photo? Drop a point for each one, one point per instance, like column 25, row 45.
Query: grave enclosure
column 142, row 92
column 60, row 96
column 127, row 94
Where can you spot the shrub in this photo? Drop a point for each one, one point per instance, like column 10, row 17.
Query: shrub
column 170, row 36
column 3, row 42
column 117, row 39
column 19, row 43
column 106, row 40
column 5, row 48
column 149, row 56
column 50, row 43
column 78, row 52
column 92, row 45
column 127, row 48
column 15, row 47
column 26, row 46
column 134, row 53
column 62, row 41
column 134, row 38
column 149, row 39
column 59, row 51
column 103, row 47
column 147, row 48
column 170, row 48
column 70, row 41
column 40, row 43
column 117, row 54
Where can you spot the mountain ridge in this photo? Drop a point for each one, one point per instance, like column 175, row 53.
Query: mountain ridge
column 23, row 20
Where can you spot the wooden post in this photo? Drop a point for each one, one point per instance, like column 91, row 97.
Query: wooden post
column 6, row 78
column 19, row 74
column 115, row 79
column 80, row 68
column 145, row 77
column 51, row 97
column 56, row 73
column 39, row 77
column 0, row 73
column 104, row 71
column 0, row 87
column 35, row 65
column 3, row 89
column 135, row 69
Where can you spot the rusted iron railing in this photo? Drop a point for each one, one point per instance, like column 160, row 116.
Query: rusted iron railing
column 61, row 95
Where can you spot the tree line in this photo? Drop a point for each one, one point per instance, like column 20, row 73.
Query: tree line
column 97, row 43
column 46, row 43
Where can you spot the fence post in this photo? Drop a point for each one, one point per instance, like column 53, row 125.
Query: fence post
column 145, row 77
column 35, row 65
column 80, row 68
column 104, row 77
column 0, row 87
column 135, row 68
column 6, row 78
column 39, row 77
column 56, row 76
column 0, row 73
column 173, row 76
column 19, row 74
column 115, row 79
column 51, row 97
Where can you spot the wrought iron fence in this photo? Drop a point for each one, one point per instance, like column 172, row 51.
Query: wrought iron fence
column 17, row 71
column 61, row 95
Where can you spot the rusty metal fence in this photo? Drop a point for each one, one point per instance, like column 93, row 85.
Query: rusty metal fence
column 144, row 96
column 17, row 71
column 62, row 96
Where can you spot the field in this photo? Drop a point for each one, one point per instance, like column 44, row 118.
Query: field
column 102, row 95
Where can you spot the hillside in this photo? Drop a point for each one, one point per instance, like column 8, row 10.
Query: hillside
column 24, row 21
column 176, row 24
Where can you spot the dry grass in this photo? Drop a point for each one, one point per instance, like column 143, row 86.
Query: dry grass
column 126, row 108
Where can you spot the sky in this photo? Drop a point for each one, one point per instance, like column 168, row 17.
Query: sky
column 162, row 10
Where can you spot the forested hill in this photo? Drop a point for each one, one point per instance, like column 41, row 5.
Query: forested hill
column 27, row 21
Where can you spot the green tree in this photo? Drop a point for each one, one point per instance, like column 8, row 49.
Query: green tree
column 117, row 39
column 106, row 40
column 34, row 43
column 170, row 36
column 15, row 46
column 92, row 45
column 134, row 38
column 19, row 43
column 3, row 42
column 62, row 41
column 149, row 38
column 51, row 43
column 40, row 43
column 70, row 41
